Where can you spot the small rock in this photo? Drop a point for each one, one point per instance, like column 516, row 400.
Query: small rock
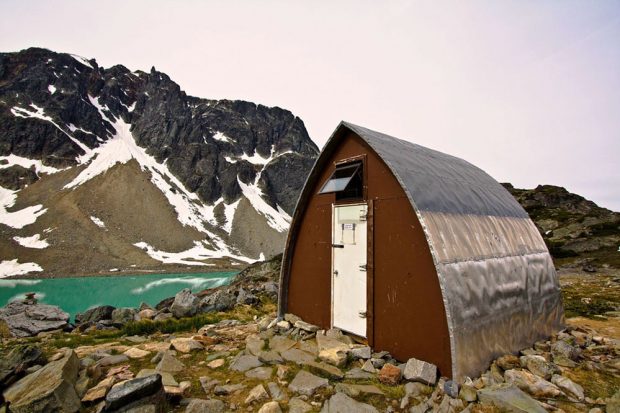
column 354, row 390
column 136, row 353
column 227, row 389
column 147, row 314
column 245, row 363
column 420, row 371
column 270, row 407
column 368, row 367
column 508, row 362
column 291, row 318
column 254, row 344
column 539, row 366
column 451, row 388
column 307, row 383
column 568, row 386
column 131, row 391
column 377, row 363
column 282, row 372
column 283, row 325
column 207, row 383
column 186, row 345
column 358, row 374
column 325, row 369
column 297, row 405
column 563, row 348
column 216, row 364
column 112, row 360
column 390, row 375
column 340, row 402
column 99, row 391
column 534, row 385
column 363, row 353
column 205, row 406
column 468, row 391
column 270, row 357
column 260, row 373
column 311, row 328
column 170, row 364
column 280, row 343
column 167, row 379
column 276, row 392
column 297, row 356
column 510, row 398
column 257, row 394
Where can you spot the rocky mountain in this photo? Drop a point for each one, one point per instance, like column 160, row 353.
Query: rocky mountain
column 106, row 169
column 576, row 230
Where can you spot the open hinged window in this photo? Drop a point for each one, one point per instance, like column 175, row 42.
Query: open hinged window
column 347, row 181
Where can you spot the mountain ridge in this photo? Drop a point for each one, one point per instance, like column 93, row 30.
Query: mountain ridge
column 211, row 159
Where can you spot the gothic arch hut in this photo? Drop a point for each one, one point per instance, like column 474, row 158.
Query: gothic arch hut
column 421, row 253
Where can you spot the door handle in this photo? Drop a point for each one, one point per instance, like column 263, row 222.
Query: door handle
column 337, row 245
column 335, row 272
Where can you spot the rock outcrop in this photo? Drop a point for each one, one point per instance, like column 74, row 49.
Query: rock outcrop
column 26, row 318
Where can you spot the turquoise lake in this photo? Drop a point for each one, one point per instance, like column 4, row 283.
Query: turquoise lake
column 75, row 295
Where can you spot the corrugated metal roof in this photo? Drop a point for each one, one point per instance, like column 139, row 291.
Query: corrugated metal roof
column 439, row 182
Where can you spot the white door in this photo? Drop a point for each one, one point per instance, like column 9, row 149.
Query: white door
column 349, row 248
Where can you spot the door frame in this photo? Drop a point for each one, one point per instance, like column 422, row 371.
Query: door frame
column 369, row 269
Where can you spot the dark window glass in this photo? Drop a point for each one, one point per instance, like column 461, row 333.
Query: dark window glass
column 346, row 181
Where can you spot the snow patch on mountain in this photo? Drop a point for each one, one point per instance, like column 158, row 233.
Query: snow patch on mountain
column 254, row 194
column 33, row 241
column 12, row 267
column 219, row 136
column 191, row 256
column 27, row 163
column 97, row 221
column 21, row 218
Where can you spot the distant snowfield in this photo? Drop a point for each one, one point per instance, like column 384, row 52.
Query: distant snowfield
column 198, row 252
column 120, row 149
column 32, row 242
column 18, row 219
column 12, row 267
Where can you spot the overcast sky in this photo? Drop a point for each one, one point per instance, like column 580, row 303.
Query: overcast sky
column 527, row 90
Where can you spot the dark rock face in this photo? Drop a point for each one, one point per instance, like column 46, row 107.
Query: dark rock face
column 17, row 177
column 193, row 136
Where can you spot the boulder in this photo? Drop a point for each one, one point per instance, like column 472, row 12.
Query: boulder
column 137, row 392
column 363, row 353
column 122, row 316
column 205, row 406
column 276, row 392
column 509, row 398
column 220, row 300
column 26, row 318
column 246, row 297
column 294, row 355
column 341, row 403
column 420, row 371
column 136, row 353
column 302, row 325
column 15, row 364
column 331, row 349
column 99, row 391
column 185, row 304
column 390, row 375
column 51, row 388
column 325, row 369
column 531, row 383
column 307, row 383
column 270, row 407
column 257, row 394
column 260, row 373
column 94, row 315
column 563, row 348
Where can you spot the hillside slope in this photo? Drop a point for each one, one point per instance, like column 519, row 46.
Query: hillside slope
column 105, row 169
column 576, row 230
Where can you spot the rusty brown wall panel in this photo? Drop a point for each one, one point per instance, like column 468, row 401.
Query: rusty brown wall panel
column 413, row 326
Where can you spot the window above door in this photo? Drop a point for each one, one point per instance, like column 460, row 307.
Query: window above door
column 347, row 181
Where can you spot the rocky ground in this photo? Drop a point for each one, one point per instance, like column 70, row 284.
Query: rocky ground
column 222, row 350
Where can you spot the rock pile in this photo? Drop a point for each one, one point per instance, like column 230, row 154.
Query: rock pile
column 289, row 365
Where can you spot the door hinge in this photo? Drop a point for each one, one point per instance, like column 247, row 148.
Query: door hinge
column 363, row 267
column 363, row 314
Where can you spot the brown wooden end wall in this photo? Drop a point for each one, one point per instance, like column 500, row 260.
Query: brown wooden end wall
column 407, row 314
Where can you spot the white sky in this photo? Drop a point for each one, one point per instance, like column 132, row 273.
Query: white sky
column 527, row 90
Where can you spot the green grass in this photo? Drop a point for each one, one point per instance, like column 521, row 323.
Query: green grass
column 171, row 325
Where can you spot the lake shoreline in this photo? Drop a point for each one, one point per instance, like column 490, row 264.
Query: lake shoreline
column 132, row 272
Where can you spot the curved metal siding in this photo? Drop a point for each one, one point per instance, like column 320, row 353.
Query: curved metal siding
column 499, row 285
